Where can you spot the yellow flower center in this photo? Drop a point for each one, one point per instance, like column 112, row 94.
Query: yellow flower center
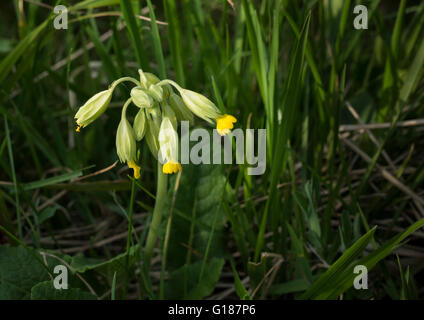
column 135, row 167
column 171, row 167
column 224, row 124
column 78, row 129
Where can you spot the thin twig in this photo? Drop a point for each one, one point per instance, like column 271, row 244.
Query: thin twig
column 101, row 243
column 274, row 268
column 384, row 125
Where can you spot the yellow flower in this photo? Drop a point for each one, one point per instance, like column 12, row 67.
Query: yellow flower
column 168, row 141
column 201, row 107
column 224, row 124
column 171, row 167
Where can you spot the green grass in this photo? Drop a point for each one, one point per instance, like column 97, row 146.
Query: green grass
column 331, row 197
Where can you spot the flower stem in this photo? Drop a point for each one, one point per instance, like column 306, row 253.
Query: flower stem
column 161, row 192
column 166, row 241
column 116, row 82
column 130, row 217
column 124, row 108
column 167, row 81
column 130, row 225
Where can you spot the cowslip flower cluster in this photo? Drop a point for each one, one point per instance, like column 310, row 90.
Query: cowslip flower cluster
column 159, row 109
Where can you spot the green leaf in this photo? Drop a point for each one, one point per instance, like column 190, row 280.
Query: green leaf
column 47, row 213
column 293, row 286
column 299, row 253
column 174, row 38
column 135, row 34
column 156, row 41
column 108, row 268
column 52, row 180
column 346, row 278
column 397, row 31
column 9, row 61
column 289, row 108
column 413, row 74
column 19, row 272
column 113, row 289
column 5, row 45
column 238, row 285
column 91, row 4
column 46, row 291
column 257, row 273
column 208, row 183
column 195, row 289
column 331, row 277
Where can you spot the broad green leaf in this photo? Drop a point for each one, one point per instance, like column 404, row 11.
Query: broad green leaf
column 292, row 286
column 46, row 291
column 203, row 185
column 174, row 287
column 19, row 272
column 107, row 268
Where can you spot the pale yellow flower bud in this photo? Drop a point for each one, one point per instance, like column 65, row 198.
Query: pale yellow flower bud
column 147, row 79
column 152, row 130
column 156, row 92
column 139, row 125
column 203, row 108
column 170, row 114
column 199, row 105
column 141, row 98
column 125, row 140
